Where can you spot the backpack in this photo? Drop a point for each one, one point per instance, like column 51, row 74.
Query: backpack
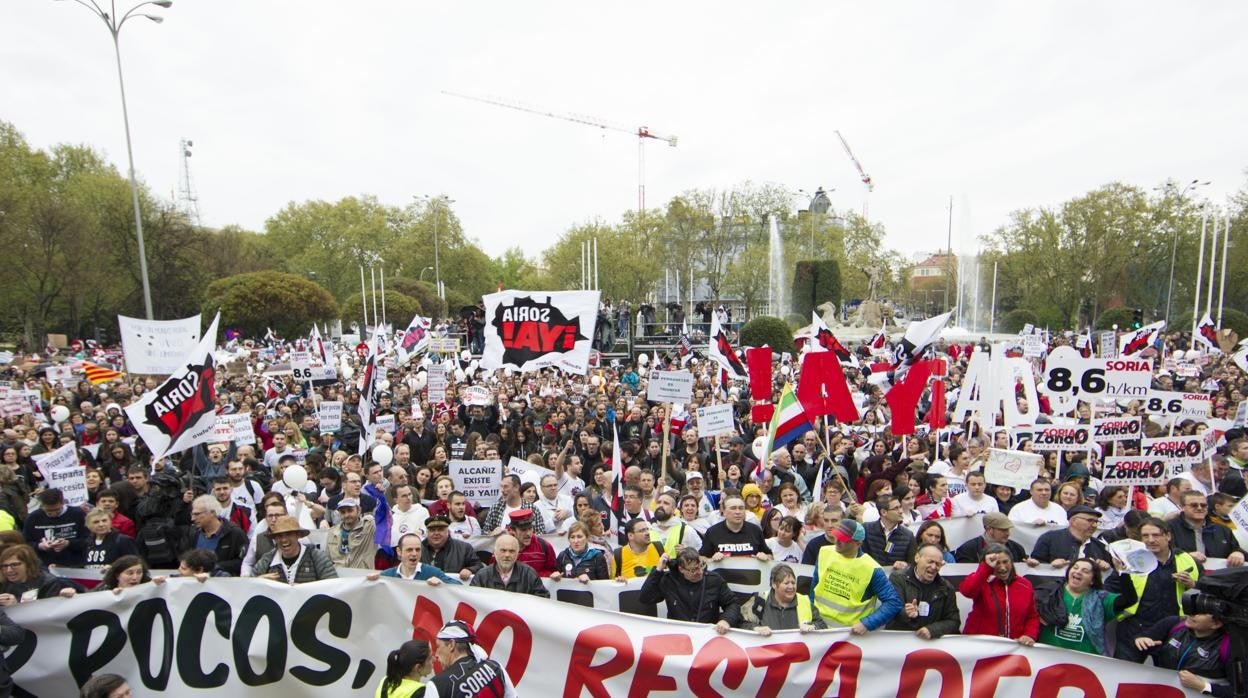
column 261, row 478
column 156, row 541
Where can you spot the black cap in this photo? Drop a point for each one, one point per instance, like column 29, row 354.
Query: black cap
column 438, row 521
column 1082, row 509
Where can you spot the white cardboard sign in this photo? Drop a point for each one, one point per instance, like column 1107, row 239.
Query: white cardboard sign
column 670, row 386
column 716, row 420
column 479, row 480
column 1015, row 469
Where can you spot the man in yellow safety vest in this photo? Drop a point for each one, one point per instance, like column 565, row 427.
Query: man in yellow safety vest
column 850, row 589
column 1160, row 591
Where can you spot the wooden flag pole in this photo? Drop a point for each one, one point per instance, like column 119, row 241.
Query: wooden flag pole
column 667, row 437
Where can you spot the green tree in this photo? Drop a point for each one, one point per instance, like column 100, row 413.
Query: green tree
column 287, row 303
column 769, row 331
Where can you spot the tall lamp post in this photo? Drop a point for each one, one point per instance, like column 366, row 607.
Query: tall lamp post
column 114, row 24
column 434, row 203
column 1174, row 245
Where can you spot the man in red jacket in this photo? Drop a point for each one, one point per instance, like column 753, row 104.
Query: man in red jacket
column 534, row 551
column 1003, row 603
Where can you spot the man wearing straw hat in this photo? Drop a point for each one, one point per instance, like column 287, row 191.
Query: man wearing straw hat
column 291, row 562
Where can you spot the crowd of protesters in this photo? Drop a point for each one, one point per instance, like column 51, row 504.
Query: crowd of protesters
column 863, row 506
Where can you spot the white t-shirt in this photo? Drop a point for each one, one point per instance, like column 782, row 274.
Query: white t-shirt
column 963, row 505
column 791, row 553
column 411, row 521
column 547, row 509
column 1027, row 512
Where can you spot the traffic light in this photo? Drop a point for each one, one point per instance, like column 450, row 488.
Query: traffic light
column 1137, row 319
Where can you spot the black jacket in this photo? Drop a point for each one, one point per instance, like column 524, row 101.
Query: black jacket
column 1219, row 541
column 708, row 601
column 941, row 598
column 10, row 634
column 973, row 549
column 1061, row 545
column 877, row 546
column 230, row 548
column 105, row 552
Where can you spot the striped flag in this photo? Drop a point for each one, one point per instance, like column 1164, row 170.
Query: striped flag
column 99, row 374
column 787, row 424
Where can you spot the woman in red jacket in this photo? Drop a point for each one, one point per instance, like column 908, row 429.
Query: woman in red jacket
column 1003, row 603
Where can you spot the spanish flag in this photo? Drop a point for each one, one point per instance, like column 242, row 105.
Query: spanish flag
column 99, row 374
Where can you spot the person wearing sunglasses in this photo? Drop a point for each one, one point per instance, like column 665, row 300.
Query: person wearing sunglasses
column 1195, row 534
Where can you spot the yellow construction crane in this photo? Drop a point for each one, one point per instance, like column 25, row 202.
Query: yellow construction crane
column 642, row 132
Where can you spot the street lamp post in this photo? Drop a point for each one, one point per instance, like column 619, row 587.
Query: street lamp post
column 436, row 202
column 1174, row 245
column 114, row 29
column 421, row 277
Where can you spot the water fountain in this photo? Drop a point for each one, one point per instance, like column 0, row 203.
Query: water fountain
column 777, row 285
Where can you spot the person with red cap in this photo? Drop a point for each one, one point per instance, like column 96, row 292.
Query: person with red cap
column 534, row 551
column 850, row 589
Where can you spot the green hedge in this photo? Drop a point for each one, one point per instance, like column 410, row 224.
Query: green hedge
column 815, row 283
column 769, row 331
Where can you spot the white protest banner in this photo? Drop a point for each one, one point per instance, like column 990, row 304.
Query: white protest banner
column 480, row 480
column 1178, row 405
column 158, row 347
column 1014, row 469
column 437, row 383
column 1134, row 470
column 670, row 386
column 1241, row 414
column 1108, row 345
column 61, row 469
column 1068, row 377
column 1033, row 346
column 531, row 330
column 60, row 374
column 716, row 420
column 477, row 395
column 329, row 415
column 1179, row 452
column 444, row 345
column 1056, row 437
column 323, row 638
column 301, row 365
column 520, row 466
column 1116, row 429
column 240, row 426
column 1240, row 514
column 222, row 431
column 385, row 421
column 181, row 412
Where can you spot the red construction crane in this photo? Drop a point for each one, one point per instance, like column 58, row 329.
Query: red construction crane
column 642, row 133
column 866, row 178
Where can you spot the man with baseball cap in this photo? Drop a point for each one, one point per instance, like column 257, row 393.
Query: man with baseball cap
column 534, row 551
column 997, row 528
column 849, row 588
column 351, row 541
column 291, row 562
column 467, row 671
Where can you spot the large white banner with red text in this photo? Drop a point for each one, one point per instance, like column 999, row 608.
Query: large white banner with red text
column 259, row 638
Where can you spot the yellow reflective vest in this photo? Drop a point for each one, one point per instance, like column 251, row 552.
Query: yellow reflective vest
column 843, row 584
column 1182, row 563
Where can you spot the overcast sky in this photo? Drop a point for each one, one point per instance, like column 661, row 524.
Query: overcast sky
column 1002, row 105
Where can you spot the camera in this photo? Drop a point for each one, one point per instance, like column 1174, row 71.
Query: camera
column 1224, row 594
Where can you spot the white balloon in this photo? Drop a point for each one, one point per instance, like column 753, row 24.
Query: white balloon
column 382, row 455
column 295, row 477
column 473, row 365
column 60, row 413
column 347, row 372
column 1179, row 354
column 507, row 371
column 383, row 384
column 421, row 380
column 643, row 359
column 785, row 370
column 693, row 361
column 759, row 444
column 596, row 380
column 465, row 355
column 460, row 375
column 259, row 367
